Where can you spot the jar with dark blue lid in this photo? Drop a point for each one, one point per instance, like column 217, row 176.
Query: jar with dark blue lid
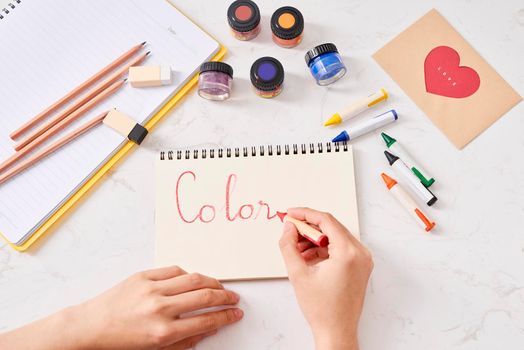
column 267, row 77
column 325, row 64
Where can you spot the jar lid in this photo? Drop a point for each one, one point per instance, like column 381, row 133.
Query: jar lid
column 287, row 23
column 243, row 15
column 216, row 67
column 267, row 74
column 319, row 50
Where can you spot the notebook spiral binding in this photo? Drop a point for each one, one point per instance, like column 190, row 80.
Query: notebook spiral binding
column 254, row 151
column 7, row 9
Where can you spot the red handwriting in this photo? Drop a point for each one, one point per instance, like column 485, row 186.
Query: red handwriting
column 207, row 212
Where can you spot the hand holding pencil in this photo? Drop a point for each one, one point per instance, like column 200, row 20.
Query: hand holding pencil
column 330, row 282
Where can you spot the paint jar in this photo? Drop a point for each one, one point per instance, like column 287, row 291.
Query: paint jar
column 215, row 81
column 244, row 19
column 287, row 25
column 325, row 64
column 267, row 77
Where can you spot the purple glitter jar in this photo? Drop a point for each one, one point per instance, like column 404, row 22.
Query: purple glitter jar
column 215, row 81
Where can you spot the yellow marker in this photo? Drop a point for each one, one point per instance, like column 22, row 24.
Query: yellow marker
column 358, row 107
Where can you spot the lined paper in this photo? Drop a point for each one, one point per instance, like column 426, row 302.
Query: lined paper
column 49, row 48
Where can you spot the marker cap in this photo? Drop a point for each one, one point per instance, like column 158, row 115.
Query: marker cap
column 388, row 139
column 343, row 136
column 425, row 182
column 390, row 182
column 390, row 157
column 323, row 241
column 335, row 119
column 429, row 224
column 381, row 98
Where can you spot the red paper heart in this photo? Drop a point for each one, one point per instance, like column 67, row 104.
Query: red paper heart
column 445, row 77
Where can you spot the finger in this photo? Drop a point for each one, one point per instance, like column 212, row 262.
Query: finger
column 164, row 273
column 207, row 322
column 304, row 245
column 315, row 252
column 331, row 227
column 190, row 342
column 289, row 249
column 187, row 283
column 201, row 299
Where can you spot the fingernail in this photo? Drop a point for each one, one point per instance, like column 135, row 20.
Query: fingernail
column 236, row 297
column 238, row 313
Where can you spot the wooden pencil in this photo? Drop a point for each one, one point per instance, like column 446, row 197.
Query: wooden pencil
column 52, row 148
column 76, row 91
column 61, row 125
column 83, row 100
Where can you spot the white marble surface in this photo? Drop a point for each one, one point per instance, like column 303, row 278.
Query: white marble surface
column 460, row 288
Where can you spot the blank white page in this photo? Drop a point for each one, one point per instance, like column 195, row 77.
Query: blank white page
column 50, row 47
column 217, row 216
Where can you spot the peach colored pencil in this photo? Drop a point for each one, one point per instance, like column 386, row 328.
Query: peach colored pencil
column 76, row 91
column 84, row 99
column 51, row 148
column 61, row 125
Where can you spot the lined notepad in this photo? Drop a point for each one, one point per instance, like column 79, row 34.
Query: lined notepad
column 50, row 47
column 216, row 208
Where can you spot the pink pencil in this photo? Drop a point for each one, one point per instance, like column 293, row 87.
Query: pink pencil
column 75, row 92
column 61, row 125
column 311, row 234
column 88, row 96
column 51, row 148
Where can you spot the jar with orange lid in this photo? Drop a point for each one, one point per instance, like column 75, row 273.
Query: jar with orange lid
column 287, row 25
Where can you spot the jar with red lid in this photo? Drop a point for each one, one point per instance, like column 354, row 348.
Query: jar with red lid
column 243, row 17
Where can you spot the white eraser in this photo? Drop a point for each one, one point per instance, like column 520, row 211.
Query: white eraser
column 146, row 76
column 165, row 75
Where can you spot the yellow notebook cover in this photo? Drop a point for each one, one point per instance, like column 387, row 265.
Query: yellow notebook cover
column 46, row 226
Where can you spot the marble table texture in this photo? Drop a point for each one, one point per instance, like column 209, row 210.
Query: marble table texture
column 459, row 288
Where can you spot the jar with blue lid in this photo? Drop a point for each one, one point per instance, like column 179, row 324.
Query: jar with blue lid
column 325, row 64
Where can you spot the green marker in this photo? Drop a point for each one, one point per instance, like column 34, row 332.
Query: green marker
column 397, row 149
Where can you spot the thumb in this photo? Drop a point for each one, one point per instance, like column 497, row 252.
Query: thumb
column 288, row 247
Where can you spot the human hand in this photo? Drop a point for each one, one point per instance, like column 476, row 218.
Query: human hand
column 330, row 283
column 146, row 311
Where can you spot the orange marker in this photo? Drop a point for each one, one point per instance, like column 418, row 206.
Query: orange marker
column 306, row 231
column 408, row 203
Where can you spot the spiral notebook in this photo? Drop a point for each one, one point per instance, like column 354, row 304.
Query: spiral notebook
column 48, row 48
column 216, row 208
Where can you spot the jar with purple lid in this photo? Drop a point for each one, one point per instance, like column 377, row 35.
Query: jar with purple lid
column 215, row 81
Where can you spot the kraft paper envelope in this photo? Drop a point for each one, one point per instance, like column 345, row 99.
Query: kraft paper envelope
column 459, row 91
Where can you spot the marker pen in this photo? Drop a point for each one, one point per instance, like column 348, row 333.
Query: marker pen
column 398, row 150
column 367, row 126
column 408, row 203
column 306, row 231
column 413, row 182
column 358, row 107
